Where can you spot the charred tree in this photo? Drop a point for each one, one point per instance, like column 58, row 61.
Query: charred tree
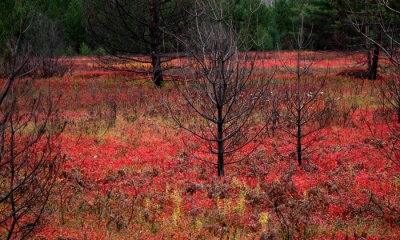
column 218, row 88
column 306, row 106
column 30, row 155
column 133, row 33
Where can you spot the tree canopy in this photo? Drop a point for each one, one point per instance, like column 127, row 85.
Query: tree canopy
column 271, row 26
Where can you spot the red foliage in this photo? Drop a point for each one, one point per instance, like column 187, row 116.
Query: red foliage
column 138, row 180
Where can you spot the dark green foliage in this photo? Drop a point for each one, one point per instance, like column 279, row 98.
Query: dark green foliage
column 73, row 28
column 45, row 38
column 7, row 20
column 69, row 16
column 320, row 14
column 15, row 16
column 283, row 25
column 66, row 15
column 274, row 23
column 271, row 23
column 319, row 23
column 253, row 19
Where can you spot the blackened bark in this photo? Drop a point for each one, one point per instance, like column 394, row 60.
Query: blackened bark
column 157, row 70
column 398, row 115
column 397, row 104
column 221, row 159
column 373, row 71
column 220, row 143
column 299, row 152
column 367, row 41
column 155, row 42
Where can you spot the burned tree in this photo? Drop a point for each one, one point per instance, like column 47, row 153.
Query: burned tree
column 358, row 19
column 218, row 87
column 29, row 153
column 306, row 108
column 387, row 19
column 370, row 20
column 133, row 32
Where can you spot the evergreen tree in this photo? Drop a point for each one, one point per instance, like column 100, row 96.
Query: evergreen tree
column 320, row 14
column 13, row 15
column 73, row 26
column 282, row 13
column 255, row 18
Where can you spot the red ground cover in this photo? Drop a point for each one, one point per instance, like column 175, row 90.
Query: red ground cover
column 129, row 175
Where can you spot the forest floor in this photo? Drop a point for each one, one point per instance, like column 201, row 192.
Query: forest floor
column 129, row 171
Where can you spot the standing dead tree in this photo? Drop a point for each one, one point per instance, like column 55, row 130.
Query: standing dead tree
column 29, row 154
column 381, row 30
column 363, row 21
column 306, row 108
column 218, row 87
column 388, row 19
column 131, row 33
column 387, row 15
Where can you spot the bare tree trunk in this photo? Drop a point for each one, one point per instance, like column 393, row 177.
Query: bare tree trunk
column 220, row 143
column 305, row 109
column 398, row 114
column 299, row 153
column 157, row 71
column 221, row 91
column 397, row 99
column 12, row 188
column 369, row 60
column 28, row 122
column 373, row 71
column 221, row 158
column 155, row 42
column 367, row 41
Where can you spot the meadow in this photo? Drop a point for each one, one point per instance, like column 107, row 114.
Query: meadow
column 129, row 170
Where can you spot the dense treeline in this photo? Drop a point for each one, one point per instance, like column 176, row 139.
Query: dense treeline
column 66, row 16
column 271, row 26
